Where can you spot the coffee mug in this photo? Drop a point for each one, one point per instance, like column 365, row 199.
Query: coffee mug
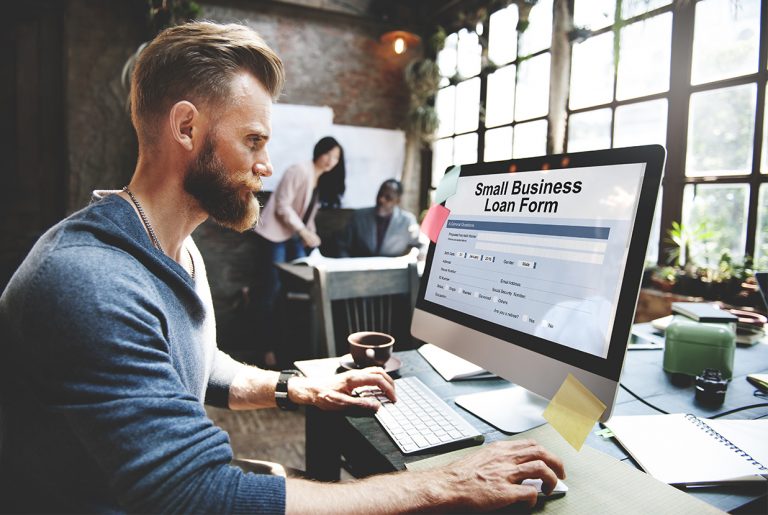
column 369, row 348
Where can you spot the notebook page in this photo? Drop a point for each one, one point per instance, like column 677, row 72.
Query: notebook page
column 751, row 436
column 677, row 451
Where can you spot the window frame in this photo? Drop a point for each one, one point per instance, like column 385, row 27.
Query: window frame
column 678, row 98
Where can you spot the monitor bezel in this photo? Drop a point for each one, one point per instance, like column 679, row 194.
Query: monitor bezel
column 610, row 367
column 762, row 285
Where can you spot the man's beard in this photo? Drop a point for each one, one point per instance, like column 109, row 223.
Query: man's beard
column 217, row 192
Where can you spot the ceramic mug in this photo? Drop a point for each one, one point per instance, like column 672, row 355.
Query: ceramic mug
column 369, row 348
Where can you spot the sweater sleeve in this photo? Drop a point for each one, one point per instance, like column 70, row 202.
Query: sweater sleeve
column 225, row 368
column 97, row 355
column 285, row 198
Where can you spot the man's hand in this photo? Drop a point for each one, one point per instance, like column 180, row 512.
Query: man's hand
column 490, row 478
column 309, row 238
column 336, row 392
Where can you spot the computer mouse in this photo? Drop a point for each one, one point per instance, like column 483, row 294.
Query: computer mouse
column 558, row 491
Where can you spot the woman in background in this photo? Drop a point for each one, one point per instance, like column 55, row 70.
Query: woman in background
column 287, row 227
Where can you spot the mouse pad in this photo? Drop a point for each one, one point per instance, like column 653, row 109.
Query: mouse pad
column 597, row 483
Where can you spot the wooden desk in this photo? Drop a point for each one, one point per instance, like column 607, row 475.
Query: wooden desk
column 367, row 449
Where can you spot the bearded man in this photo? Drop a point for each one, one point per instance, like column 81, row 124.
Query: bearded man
column 108, row 347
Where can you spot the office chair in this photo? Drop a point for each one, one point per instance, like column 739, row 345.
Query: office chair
column 365, row 300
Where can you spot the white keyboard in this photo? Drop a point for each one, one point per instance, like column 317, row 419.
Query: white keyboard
column 421, row 420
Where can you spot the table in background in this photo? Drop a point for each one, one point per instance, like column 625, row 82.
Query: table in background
column 367, row 449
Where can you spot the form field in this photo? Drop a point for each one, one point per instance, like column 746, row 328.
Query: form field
column 544, row 241
column 563, row 255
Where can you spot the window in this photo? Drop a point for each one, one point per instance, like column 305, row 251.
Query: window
column 636, row 68
column 494, row 107
column 689, row 76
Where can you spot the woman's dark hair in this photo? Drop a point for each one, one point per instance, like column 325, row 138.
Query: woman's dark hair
column 331, row 185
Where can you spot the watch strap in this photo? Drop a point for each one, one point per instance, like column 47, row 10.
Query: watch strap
column 281, row 390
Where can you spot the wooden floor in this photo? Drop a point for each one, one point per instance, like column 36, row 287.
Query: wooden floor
column 267, row 434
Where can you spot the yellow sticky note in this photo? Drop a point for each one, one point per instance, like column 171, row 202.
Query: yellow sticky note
column 573, row 411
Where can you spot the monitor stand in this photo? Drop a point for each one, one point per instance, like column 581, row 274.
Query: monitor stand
column 511, row 410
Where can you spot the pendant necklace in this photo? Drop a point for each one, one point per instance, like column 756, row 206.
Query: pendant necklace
column 151, row 231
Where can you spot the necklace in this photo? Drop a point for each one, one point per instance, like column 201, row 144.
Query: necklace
column 151, row 231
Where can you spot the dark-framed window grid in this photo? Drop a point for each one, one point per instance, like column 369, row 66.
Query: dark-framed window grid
column 691, row 76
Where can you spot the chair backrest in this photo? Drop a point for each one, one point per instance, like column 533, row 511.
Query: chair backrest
column 363, row 300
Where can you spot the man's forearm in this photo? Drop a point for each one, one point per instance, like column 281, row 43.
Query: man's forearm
column 402, row 492
column 253, row 388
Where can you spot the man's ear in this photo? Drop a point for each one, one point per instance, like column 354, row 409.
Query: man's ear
column 185, row 124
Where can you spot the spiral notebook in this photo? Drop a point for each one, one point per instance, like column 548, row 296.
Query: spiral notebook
column 686, row 450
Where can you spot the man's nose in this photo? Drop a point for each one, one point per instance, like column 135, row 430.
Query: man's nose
column 263, row 167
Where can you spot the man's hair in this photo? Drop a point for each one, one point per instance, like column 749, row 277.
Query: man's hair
column 196, row 61
column 394, row 184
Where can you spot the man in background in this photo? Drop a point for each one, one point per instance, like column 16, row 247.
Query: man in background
column 108, row 343
column 383, row 230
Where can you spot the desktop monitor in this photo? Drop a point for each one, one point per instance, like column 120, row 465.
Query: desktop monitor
column 536, row 274
column 762, row 285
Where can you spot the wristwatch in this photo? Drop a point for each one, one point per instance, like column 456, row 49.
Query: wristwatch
column 281, row 390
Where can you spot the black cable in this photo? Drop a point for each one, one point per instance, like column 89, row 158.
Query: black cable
column 633, row 394
column 761, row 405
column 729, row 412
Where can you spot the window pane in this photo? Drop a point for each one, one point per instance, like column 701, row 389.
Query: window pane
column 498, row 144
column 530, row 139
column 446, row 59
column 725, row 39
column 442, row 158
column 643, row 123
column 644, row 57
column 467, row 105
column 592, row 72
column 502, row 38
column 761, row 242
column 469, row 54
column 445, row 103
column 533, row 88
column 589, row 131
column 500, row 101
column 594, row 14
column 538, row 35
column 720, row 131
column 632, row 8
column 721, row 211
column 652, row 252
column 465, row 149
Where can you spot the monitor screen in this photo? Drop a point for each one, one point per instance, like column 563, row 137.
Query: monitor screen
column 544, row 254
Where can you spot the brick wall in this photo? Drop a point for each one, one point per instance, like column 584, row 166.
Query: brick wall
column 329, row 61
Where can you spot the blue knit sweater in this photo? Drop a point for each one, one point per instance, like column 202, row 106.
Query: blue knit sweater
column 107, row 353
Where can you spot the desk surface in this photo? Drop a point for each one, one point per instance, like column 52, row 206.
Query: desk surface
column 370, row 449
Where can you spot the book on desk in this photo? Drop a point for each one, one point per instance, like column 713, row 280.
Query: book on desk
column 682, row 449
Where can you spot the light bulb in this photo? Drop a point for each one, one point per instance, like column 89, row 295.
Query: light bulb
column 399, row 46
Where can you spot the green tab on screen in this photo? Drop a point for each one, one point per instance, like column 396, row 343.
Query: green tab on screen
column 447, row 187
